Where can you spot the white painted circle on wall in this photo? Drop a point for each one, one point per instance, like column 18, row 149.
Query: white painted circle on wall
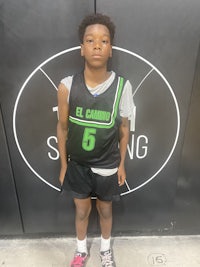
column 144, row 77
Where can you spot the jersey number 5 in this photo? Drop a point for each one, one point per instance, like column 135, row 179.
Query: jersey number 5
column 88, row 142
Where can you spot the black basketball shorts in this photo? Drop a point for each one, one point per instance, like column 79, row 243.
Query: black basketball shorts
column 84, row 183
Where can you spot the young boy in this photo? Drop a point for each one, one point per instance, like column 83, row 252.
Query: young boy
column 94, row 107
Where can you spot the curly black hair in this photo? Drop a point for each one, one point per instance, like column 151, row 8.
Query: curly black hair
column 97, row 18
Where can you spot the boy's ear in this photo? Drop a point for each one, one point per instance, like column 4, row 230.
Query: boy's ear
column 82, row 48
column 111, row 52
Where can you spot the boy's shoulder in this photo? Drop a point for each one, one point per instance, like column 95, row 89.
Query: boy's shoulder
column 119, row 74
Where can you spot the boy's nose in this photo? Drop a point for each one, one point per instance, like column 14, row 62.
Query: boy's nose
column 97, row 46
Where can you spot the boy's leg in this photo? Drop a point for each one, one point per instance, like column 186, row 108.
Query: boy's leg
column 105, row 213
column 83, row 209
column 104, row 209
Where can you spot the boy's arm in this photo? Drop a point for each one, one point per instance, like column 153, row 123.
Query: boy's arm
column 123, row 142
column 62, row 128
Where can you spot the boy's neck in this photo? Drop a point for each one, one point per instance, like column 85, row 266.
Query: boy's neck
column 93, row 77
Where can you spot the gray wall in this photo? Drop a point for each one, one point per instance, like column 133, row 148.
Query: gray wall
column 157, row 48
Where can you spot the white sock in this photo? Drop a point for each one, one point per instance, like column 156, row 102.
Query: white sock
column 82, row 245
column 105, row 244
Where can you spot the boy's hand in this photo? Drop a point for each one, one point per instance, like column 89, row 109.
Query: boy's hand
column 62, row 174
column 121, row 175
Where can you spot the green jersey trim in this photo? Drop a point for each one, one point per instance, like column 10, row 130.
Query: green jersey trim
column 103, row 125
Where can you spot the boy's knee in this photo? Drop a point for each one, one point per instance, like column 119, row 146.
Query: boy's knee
column 83, row 213
column 104, row 209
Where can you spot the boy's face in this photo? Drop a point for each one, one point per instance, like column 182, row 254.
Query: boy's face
column 96, row 47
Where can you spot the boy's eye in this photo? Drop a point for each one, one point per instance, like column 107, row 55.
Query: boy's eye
column 105, row 41
column 89, row 41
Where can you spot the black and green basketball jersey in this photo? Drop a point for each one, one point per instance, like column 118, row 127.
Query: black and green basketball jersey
column 93, row 134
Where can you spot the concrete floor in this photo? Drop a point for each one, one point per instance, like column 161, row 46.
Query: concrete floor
column 176, row 251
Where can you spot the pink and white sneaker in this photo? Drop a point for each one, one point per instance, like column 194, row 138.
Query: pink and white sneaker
column 79, row 259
